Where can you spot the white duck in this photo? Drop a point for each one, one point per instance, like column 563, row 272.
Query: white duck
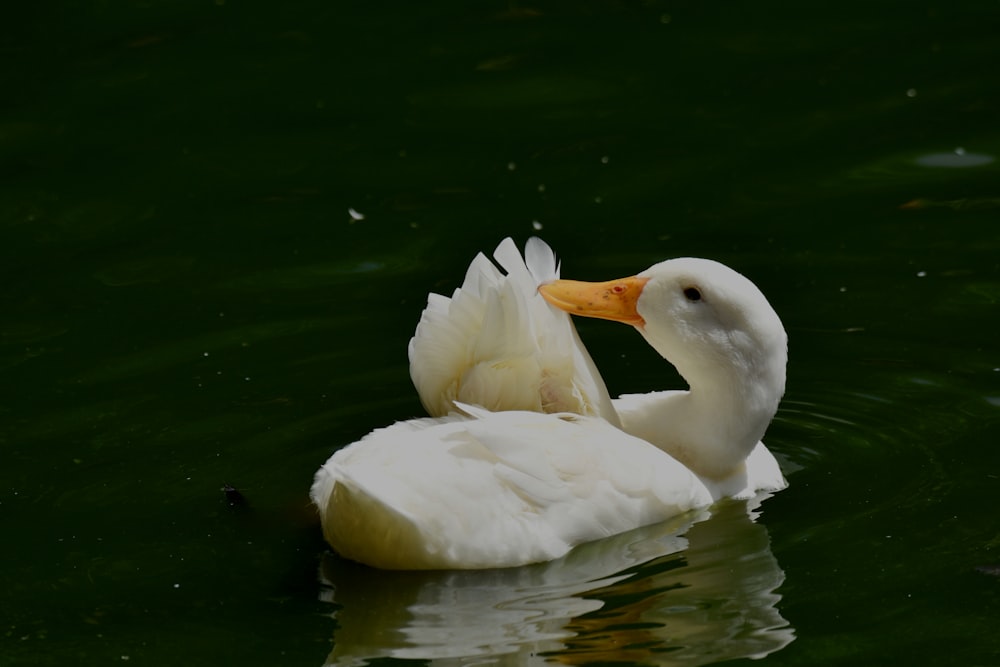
column 483, row 488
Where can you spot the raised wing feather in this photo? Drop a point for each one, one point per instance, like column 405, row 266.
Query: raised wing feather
column 496, row 343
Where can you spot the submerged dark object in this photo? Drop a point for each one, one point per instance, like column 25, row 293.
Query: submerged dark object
column 234, row 498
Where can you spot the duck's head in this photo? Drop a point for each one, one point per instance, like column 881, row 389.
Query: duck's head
column 712, row 323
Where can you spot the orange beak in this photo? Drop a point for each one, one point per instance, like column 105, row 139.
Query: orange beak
column 613, row 300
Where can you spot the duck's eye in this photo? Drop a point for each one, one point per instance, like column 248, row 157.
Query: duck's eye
column 692, row 294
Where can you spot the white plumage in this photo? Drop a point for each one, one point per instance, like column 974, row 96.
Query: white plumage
column 496, row 343
column 526, row 456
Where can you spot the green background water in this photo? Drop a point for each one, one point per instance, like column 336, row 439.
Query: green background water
column 187, row 302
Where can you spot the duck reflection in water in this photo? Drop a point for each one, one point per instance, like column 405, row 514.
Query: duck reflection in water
column 698, row 589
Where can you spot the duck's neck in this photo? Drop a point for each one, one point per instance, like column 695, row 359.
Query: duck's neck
column 714, row 426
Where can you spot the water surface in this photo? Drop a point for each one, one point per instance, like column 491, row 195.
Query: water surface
column 220, row 221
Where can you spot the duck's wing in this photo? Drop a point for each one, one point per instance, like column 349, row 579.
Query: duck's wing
column 496, row 343
column 496, row 490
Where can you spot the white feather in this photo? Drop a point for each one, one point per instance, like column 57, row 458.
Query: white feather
column 494, row 490
column 498, row 344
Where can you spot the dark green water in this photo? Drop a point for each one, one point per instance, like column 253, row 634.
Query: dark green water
column 187, row 302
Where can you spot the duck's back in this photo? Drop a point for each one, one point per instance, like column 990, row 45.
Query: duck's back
column 498, row 490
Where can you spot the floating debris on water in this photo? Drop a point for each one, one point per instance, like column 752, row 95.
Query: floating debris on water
column 958, row 158
column 965, row 204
